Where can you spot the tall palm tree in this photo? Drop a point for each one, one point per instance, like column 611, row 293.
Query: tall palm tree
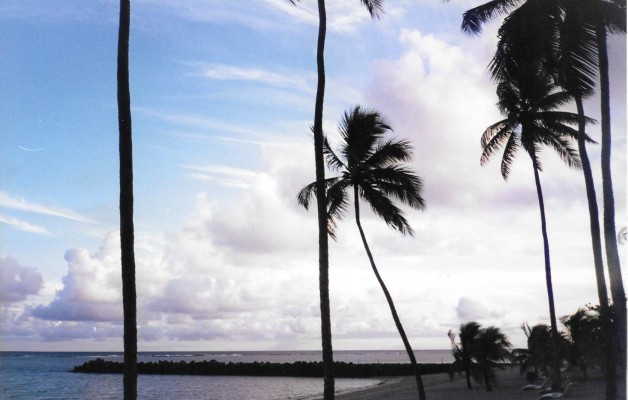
column 597, row 17
column 532, row 120
column 563, row 43
column 610, row 238
column 375, row 8
column 463, row 350
column 372, row 168
column 491, row 348
column 127, row 240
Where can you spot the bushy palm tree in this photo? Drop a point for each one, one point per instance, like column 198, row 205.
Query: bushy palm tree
column 127, row 240
column 375, row 8
column 479, row 351
column 372, row 169
column 541, row 355
column 491, row 349
column 586, row 338
column 463, row 349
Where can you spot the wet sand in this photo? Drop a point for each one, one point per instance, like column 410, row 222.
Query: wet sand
column 508, row 387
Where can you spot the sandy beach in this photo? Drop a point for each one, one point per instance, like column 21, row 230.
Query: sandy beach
column 440, row 387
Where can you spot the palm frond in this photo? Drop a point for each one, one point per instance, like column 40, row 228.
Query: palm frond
column 473, row 19
column 400, row 183
column 560, row 117
column 333, row 161
column 494, row 141
column 374, row 7
column 553, row 101
column 384, row 207
column 305, row 194
column 390, row 152
column 494, row 130
column 510, row 150
column 361, row 130
column 564, row 150
column 337, row 203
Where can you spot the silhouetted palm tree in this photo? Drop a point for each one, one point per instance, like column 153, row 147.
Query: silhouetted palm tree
column 372, row 168
column 532, row 121
column 463, row 350
column 126, row 206
column 490, row 349
column 539, row 348
column 558, row 36
column 606, row 21
column 375, row 8
column 587, row 341
column 577, row 33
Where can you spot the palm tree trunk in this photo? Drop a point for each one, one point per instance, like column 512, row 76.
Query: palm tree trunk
column 126, row 206
column 596, row 243
column 402, row 333
column 610, row 239
column 556, row 384
column 467, row 371
column 487, row 379
column 323, row 237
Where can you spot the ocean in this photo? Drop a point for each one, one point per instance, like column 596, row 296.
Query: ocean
column 46, row 375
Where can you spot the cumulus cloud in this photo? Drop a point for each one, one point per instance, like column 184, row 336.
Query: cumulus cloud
column 92, row 287
column 17, row 282
column 469, row 309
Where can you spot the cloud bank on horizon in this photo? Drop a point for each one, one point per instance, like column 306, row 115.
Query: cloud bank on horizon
column 222, row 99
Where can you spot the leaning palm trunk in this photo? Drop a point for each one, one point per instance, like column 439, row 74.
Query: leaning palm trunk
column 610, row 239
column 126, row 206
column 596, row 243
column 556, row 384
column 323, row 237
column 402, row 333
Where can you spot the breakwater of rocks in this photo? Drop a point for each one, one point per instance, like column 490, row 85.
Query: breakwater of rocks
column 295, row 369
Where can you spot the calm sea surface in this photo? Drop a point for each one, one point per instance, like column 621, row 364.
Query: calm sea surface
column 41, row 375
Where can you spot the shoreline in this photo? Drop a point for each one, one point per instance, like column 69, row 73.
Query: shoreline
column 508, row 386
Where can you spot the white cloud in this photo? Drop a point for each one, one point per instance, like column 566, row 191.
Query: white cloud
column 23, row 225
column 284, row 80
column 92, row 287
column 20, row 204
column 17, row 282
column 227, row 176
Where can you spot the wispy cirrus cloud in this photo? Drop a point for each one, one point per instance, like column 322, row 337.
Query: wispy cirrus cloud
column 226, row 176
column 20, row 204
column 23, row 225
column 282, row 79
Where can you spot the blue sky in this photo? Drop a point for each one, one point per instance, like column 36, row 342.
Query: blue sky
column 222, row 101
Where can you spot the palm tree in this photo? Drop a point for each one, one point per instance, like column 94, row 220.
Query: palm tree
column 371, row 167
column 375, row 8
column 585, row 334
column 129, row 298
column 564, row 45
column 532, row 120
column 491, row 347
column 589, row 20
column 463, row 350
column 541, row 353
column 539, row 348
column 603, row 24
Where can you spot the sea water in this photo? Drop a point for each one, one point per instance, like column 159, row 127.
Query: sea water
column 46, row 375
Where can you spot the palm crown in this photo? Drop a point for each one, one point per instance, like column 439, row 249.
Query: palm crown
column 532, row 119
column 373, row 167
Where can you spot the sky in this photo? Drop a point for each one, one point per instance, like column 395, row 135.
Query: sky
column 222, row 103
